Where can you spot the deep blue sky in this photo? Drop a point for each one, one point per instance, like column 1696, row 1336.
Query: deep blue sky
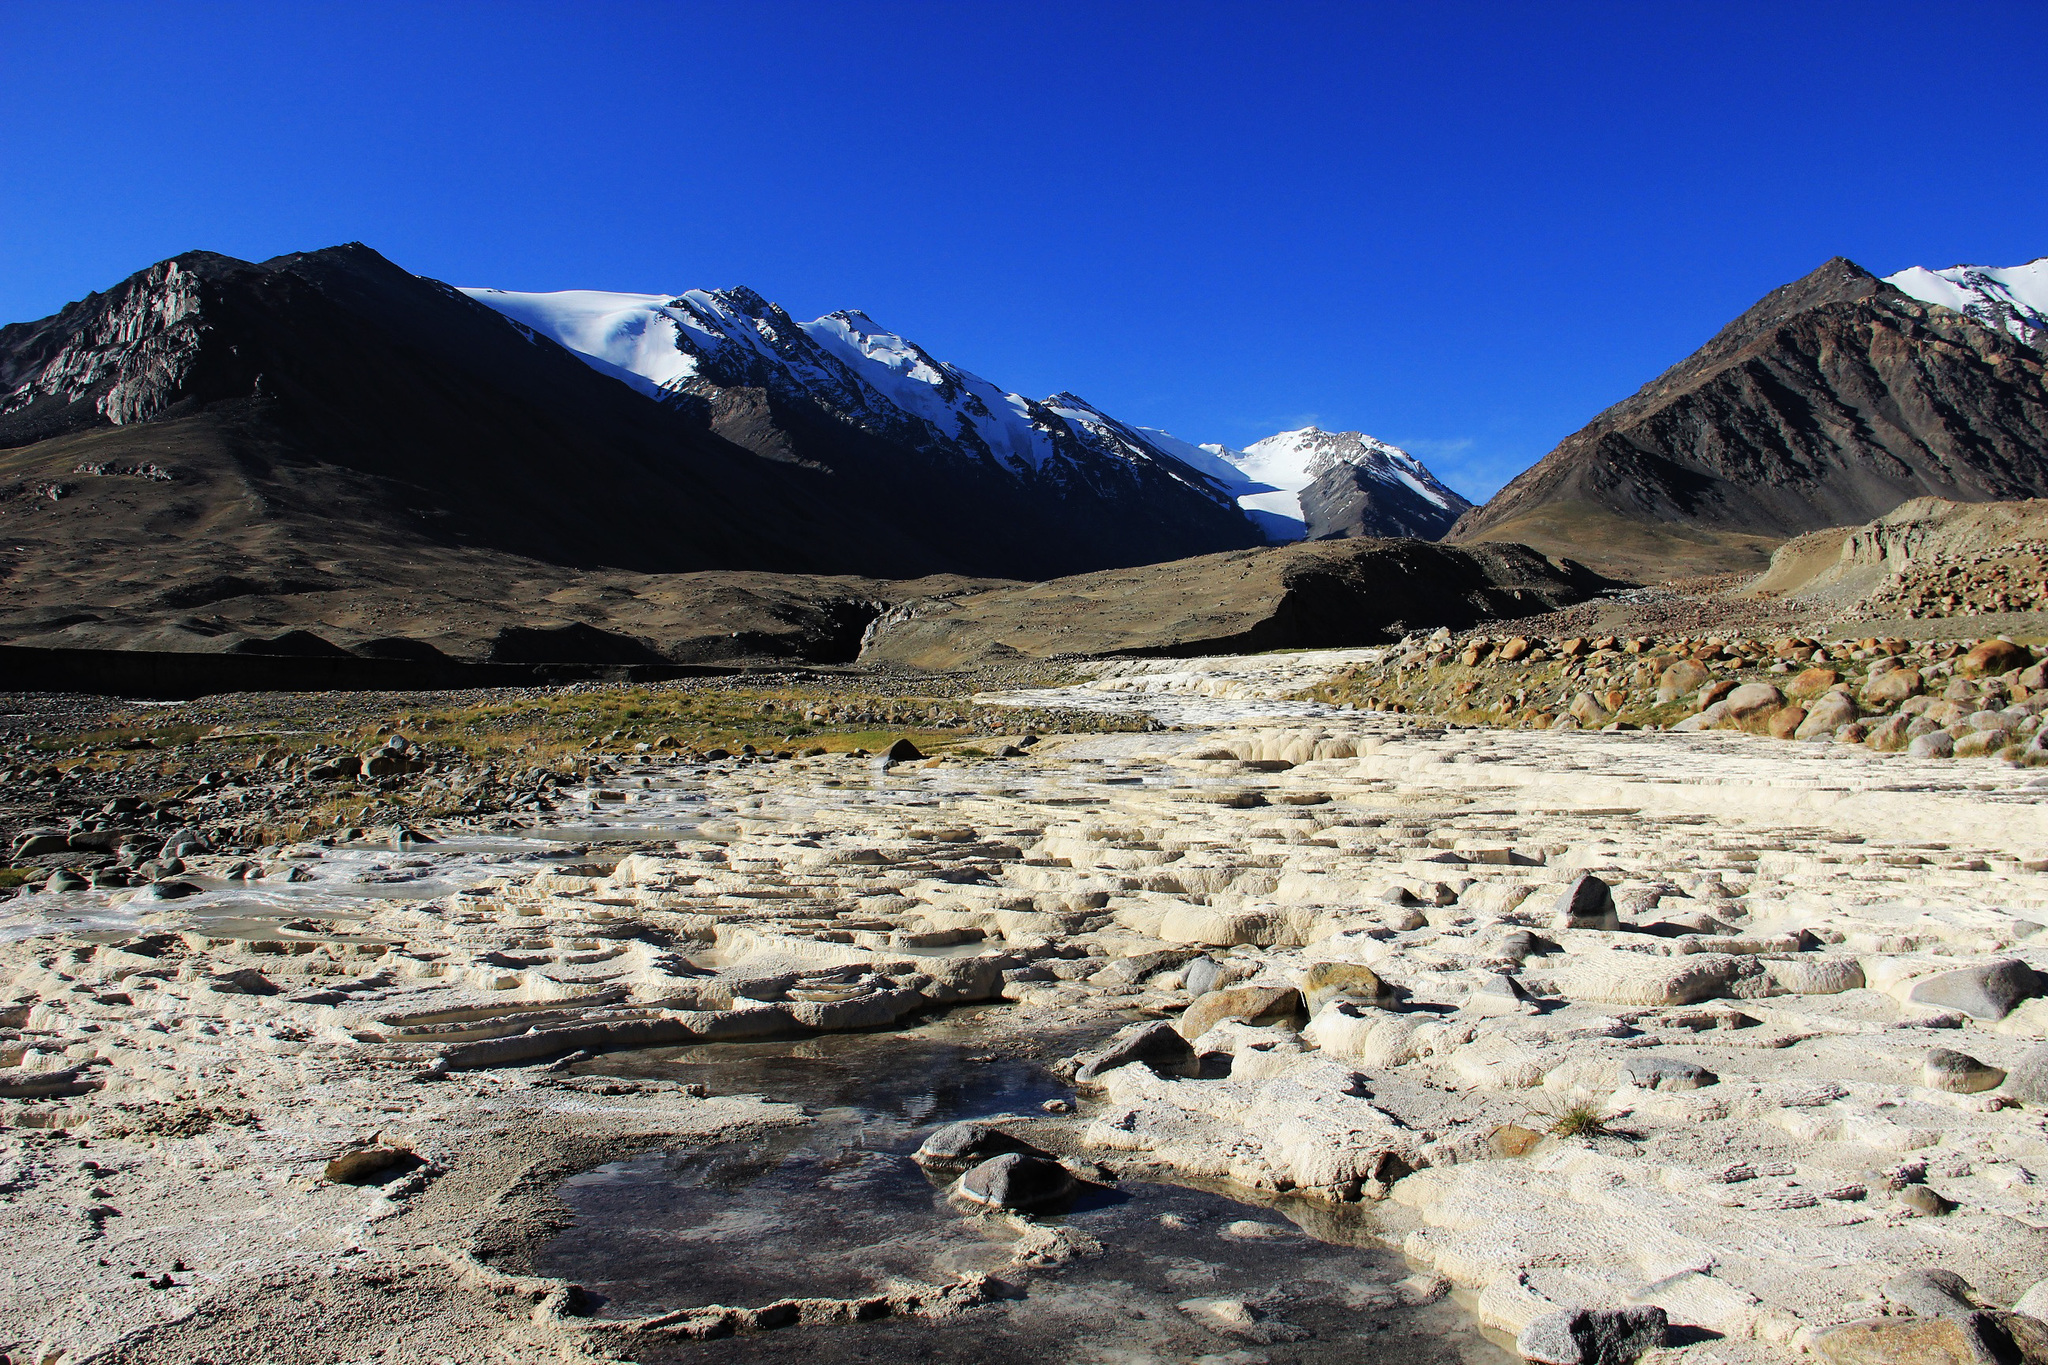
column 1463, row 228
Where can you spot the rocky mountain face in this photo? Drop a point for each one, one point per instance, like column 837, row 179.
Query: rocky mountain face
column 848, row 394
column 464, row 426
column 1311, row 484
column 1832, row 401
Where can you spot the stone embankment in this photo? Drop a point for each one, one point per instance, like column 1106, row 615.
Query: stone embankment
column 1666, row 1046
column 1933, row 699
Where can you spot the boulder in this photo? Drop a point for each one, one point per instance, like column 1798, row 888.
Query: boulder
column 1716, row 691
column 1587, row 903
column 1594, row 1336
column 1889, row 689
column 1982, row 743
column 1982, row 990
column 64, row 879
column 1930, row 1293
column 1155, row 1041
column 1992, row 658
column 1017, row 1181
column 1785, row 724
column 1350, row 980
column 1248, row 1004
column 1812, row 683
column 960, row 1145
column 36, row 843
column 2027, row 1079
column 1588, row 709
column 902, row 751
column 1909, row 1341
column 1751, row 706
column 1933, row 744
column 1829, row 712
column 1206, row 974
column 1889, row 735
column 1687, row 675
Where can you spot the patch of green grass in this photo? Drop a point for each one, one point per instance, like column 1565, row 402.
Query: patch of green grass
column 11, row 877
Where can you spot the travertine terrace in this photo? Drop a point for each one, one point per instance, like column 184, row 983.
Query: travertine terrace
column 1743, row 1030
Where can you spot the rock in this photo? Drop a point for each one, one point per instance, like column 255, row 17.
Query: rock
column 1934, row 744
column 1687, row 675
column 1785, row 724
column 1983, row 990
column 2026, row 1333
column 1666, row 1073
column 2027, row 1079
column 1715, row 692
column 185, row 843
column 1206, row 974
column 1250, row 1004
column 1980, row 743
column 1588, row 709
column 402, row 836
column 36, row 843
column 64, row 879
column 169, row 890
column 1751, row 706
column 1907, row 1341
column 961, row 1145
column 1016, row 1180
column 354, row 1167
column 1890, row 734
column 1925, row 1201
column 1154, row 1041
column 1812, row 683
column 1829, row 712
column 902, row 751
column 1519, row 945
column 1512, row 1140
column 1497, row 995
column 1329, row 980
column 1992, row 658
column 1594, row 1336
column 1888, row 689
column 1931, row 1293
column 1587, row 903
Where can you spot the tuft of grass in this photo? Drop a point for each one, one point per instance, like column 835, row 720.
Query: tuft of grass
column 1579, row 1121
column 11, row 877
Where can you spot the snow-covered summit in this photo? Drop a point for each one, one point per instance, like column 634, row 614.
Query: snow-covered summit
column 1268, row 477
column 672, row 345
column 2011, row 298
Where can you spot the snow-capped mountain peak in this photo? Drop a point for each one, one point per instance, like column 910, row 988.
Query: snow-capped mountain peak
column 669, row 345
column 1275, row 480
column 2013, row 299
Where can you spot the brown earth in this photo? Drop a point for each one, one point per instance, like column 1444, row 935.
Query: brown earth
column 1311, row 595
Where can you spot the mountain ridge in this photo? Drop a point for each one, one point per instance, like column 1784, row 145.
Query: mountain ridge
column 1830, row 401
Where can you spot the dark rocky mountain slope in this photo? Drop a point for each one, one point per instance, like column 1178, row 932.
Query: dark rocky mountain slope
column 212, row 432
column 1832, row 401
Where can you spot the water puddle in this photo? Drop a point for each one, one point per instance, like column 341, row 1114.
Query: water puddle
column 838, row 1208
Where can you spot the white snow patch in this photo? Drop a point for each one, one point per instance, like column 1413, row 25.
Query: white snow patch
column 2011, row 298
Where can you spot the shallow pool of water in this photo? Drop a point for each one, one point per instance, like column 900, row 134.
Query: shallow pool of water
column 838, row 1209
